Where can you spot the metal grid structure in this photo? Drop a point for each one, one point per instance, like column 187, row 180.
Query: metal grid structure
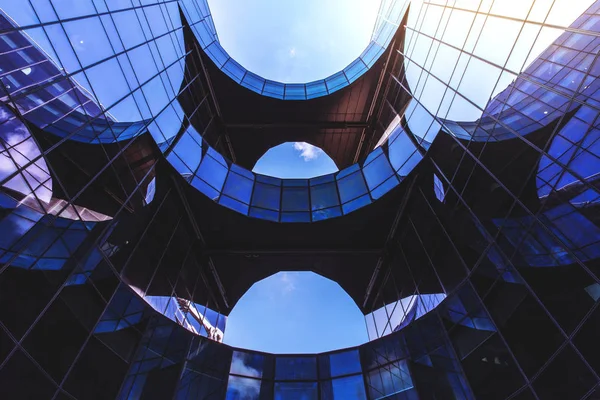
column 469, row 236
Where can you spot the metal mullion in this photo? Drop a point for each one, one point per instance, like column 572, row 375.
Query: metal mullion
column 113, row 56
column 42, row 24
column 148, row 122
column 531, row 293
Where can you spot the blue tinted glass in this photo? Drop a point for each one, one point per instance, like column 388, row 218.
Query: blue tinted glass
column 322, row 179
column 264, row 214
column 253, row 81
column 238, row 187
column 438, row 188
column 242, row 171
column 324, row 196
column 336, row 81
column 352, row 186
column 295, row 368
column 188, row 151
column 273, row 89
column 234, row 205
column 337, row 364
column 205, row 188
column 295, row 182
column 316, row 89
column 393, row 378
column 234, row 70
column 251, row 364
column 295, row 199
column 371, row 53
column 296, row 391
column 347, row 171
column 212, row 172
column 294, row 92
column 266, row 196
column 268, row 179
column 239, row 388
column 295, row 217
column 355, row 70
column 326, row 213
column 403, row 154
column 217, row 54
column 356, row 204
column 384, row 187
column 351, row 387
column 377, row 171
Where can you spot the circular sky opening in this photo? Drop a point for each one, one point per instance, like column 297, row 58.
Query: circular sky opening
column 295, row 312
column 295, row 160
column 294, row 41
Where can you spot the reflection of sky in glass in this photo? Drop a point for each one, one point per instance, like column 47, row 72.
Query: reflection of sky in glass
column 483, row 62
column 168, row 306
column 394, row 316
column 17, row 150
column 469, row 41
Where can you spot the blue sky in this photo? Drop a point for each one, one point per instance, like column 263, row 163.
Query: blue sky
column 294, row 40
column 295, row 312
column 295, row 160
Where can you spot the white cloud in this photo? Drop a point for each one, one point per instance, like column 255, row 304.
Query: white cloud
column 307, row 151
column 293, row 52
column 245, row 388
column 287, row 282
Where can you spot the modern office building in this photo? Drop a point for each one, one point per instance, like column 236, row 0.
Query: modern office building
column 464, row 220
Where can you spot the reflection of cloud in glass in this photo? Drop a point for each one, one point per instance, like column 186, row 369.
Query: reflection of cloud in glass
column 243, row 388
column 17, row 149
column 238, row 366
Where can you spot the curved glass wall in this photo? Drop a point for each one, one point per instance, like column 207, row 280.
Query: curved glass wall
column 295, row 200
column 508, row 231
column 200, row 19
column 494, row 87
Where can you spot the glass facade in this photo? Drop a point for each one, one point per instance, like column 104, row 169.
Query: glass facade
column 468, row 236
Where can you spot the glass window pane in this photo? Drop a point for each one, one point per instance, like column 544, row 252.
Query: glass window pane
column 338, row 364
column 295, row 199
column 351, row 387
column 352, row 186
column 266, row 196
column 296, row 391
column 324, row 196
column 377, row 171
column 238, row 187
column 296, row 368
column 391, row 379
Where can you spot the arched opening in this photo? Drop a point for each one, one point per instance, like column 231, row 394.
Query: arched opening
column 295, row 160
column 314, row 38
column 295, row 312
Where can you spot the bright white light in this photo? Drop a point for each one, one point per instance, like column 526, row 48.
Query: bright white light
column 395, row 122
column 294, row 41
column 512, row 43
column 26, row 71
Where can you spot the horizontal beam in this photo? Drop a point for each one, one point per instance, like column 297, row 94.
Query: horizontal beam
column 293, row 252
column 297, row 125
